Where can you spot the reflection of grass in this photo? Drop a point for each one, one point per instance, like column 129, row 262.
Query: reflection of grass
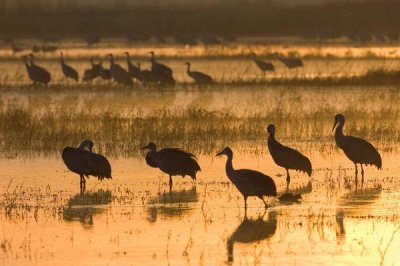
column 91, row 198
column 171, row 204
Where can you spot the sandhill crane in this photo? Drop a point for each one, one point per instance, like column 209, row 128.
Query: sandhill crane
column 147, row 75
column 40, row 74
column 198, row 77
column 356, row 149
column 31, row 75
column 84, row 162
column 158, row 68
column 286, row 157
column 291, row 62
column 104, row 73
column 161, row 71
column 67, row 70
column 252, row 230
column 172, row 161
column 133, row 70
column 119, row 74
column 262, row 65
column 91, row 73
column 249, row 182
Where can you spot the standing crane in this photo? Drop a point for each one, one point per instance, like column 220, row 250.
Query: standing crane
column 262, row 65
column 67, row 70
column 356, row 149
column 91, row 73
column 84, row 162
column 249, row 182
column 39, row 73
column 119, row 74
column 198, row 77
column 172, row 161
column 291, row 62
column 161, row 71
column 287, row 157
column 133, row 70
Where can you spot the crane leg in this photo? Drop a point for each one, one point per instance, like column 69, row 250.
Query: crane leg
column 355, row 165
column 362, row 175
column 245, row 206
column 170, row 183
column 83, row 184
column 265, row 203
column 287, row 179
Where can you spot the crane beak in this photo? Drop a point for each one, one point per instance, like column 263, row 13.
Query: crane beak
column 219, row 154
column 145, row 147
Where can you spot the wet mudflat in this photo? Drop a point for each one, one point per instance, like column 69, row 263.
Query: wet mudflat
column 133, row 219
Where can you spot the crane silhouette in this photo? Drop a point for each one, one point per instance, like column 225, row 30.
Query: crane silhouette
column 133, row 70
column 249, row 182
column 67, row 70
column 198, row 77
column 262, row 65
column 38, row 73
column 172, row 161
column 291, row 62
column 161, row 71
column 119, row 74
column 104, row 73
column 84, row 162
column 287, row 157
column 91, row 73
column 356, row 149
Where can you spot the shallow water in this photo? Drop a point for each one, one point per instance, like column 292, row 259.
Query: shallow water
column 133, row 219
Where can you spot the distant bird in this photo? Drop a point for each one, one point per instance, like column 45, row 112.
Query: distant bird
column 92, row 39
column 84, row 162
column 252, row 230
column 159, row 68
column 16, row 49
column 356, row 149
column 172, row 161
column 249, row 182
column 263, row 66
column 133, row 70
column 104, row 73
column 198, row 77
column 161, row 71
column 91, row 73
column 286, row 157
column 67, row 70
column 39, row 74
column 147, row 75
column 291, row 62
column 31, row 75
column 119, row 74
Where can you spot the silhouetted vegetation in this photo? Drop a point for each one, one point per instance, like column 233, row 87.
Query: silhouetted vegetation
column 359, row 20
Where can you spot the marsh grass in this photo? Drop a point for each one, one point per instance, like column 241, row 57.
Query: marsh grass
column 117, row 132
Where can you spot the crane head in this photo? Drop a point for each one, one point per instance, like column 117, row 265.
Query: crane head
column 187, row 64
column 339, row 119
column 86, row 145
column 151, row 146
column 226, row 151
column 271, row 129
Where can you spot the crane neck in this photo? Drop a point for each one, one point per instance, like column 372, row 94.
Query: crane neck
column 339, row 133
column 229, row 166
column 128, row 59
column 112, row 60
column 188, row 68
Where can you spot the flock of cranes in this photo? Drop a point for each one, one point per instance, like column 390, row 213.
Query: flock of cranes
column 176, row 162
column 158, row 73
